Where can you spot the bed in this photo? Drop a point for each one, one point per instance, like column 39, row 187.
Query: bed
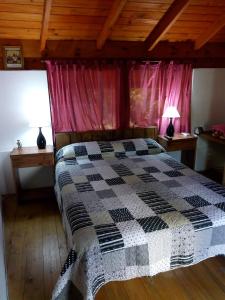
column 130, row 210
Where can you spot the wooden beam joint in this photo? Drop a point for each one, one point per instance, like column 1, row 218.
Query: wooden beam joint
column 210, row 32
column 166, row 22
column 113, row 16
column 45, row 24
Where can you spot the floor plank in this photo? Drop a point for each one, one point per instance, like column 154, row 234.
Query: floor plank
column 15, row 255
column 51, row 253
column 33, row 285
column 9, row 220
column 36, row 250
column 63, row 251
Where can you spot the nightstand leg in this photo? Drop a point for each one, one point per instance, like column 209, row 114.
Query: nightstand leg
column 188, row 158
column 17, row 183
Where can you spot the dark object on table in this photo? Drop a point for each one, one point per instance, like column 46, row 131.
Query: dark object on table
column 198, row 130
column 41, row 141
column 170, row 129
column 168, row 137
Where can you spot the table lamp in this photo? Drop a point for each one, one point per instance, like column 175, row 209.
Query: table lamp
column 170, row 112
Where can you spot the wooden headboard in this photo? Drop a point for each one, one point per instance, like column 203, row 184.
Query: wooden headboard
column 63, row 139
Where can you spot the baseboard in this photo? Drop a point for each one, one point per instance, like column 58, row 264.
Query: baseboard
column 8, row 196
column 3, row 277
column 32, row 194
column 38, row 193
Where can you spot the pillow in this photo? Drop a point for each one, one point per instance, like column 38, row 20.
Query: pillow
column 122, row 148
column 219, row 130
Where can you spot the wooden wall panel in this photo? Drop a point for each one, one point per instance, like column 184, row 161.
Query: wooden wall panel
column 193, row 23
column 212, row 54
column 21, row 8
column 219, row 37
column 147, row 6
column 204, row 10
column 188, row 17
column 155, row 15
column 84, row 19
column 6, row 24
column 83, row 11
column 88, row 49
column 76, row 19
column 106, row 4
column 182, row 37
column 20, row 33
column 182, row 51
column 146, row 13
column 25, row 2
column 74, row 26
column 133, row 27
column 129, row 35
column 208, row 2
column 152, row 1
column 137, row 21
column 72, row 34
column 20, row 17
column 121, row 37
column 30, row 47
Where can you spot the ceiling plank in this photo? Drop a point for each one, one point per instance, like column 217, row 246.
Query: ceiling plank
column 45, row 24
column 165, row 23
column 113, row 15
column 210, row 32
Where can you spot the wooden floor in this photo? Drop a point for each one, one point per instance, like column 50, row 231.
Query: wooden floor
column 35, row 249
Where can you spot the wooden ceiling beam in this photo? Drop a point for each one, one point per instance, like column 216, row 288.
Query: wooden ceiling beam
column 210, row 32
column 165, row 23
column 113, row 16
column 45, row 24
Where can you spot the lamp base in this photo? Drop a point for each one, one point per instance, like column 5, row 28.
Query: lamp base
column 41, row 141
column 170, row 129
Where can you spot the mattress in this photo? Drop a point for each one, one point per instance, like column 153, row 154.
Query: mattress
column 130, row 210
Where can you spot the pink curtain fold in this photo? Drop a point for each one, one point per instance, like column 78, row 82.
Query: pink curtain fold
column 154, row 87
column 85, row 96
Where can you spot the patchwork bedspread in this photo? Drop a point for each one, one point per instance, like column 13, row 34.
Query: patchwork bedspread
column 133, row 215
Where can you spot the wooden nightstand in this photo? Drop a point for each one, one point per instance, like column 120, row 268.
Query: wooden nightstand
column 30, row 157
column 186, row 144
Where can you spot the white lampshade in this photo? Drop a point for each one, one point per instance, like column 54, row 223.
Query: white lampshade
column 171, row 112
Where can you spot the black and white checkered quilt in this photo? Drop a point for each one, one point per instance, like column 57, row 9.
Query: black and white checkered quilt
column 129, row 215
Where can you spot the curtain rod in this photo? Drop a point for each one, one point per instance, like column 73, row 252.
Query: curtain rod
column 106, row 58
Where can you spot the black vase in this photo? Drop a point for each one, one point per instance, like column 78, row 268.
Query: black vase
column 41, row 141
column 170, row 129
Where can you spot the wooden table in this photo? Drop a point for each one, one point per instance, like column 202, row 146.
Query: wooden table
column 185, row 144
column 216, row 140
column 30, row 157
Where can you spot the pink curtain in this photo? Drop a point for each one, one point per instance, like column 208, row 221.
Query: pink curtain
column 86, row 96
column 154, row 87
column 99, row 95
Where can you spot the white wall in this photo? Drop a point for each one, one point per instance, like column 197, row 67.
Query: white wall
column 3, row 285
column 23, row 100
column 208, row 108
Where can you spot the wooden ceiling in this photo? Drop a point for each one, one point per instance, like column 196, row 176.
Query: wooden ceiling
column 146, row 21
